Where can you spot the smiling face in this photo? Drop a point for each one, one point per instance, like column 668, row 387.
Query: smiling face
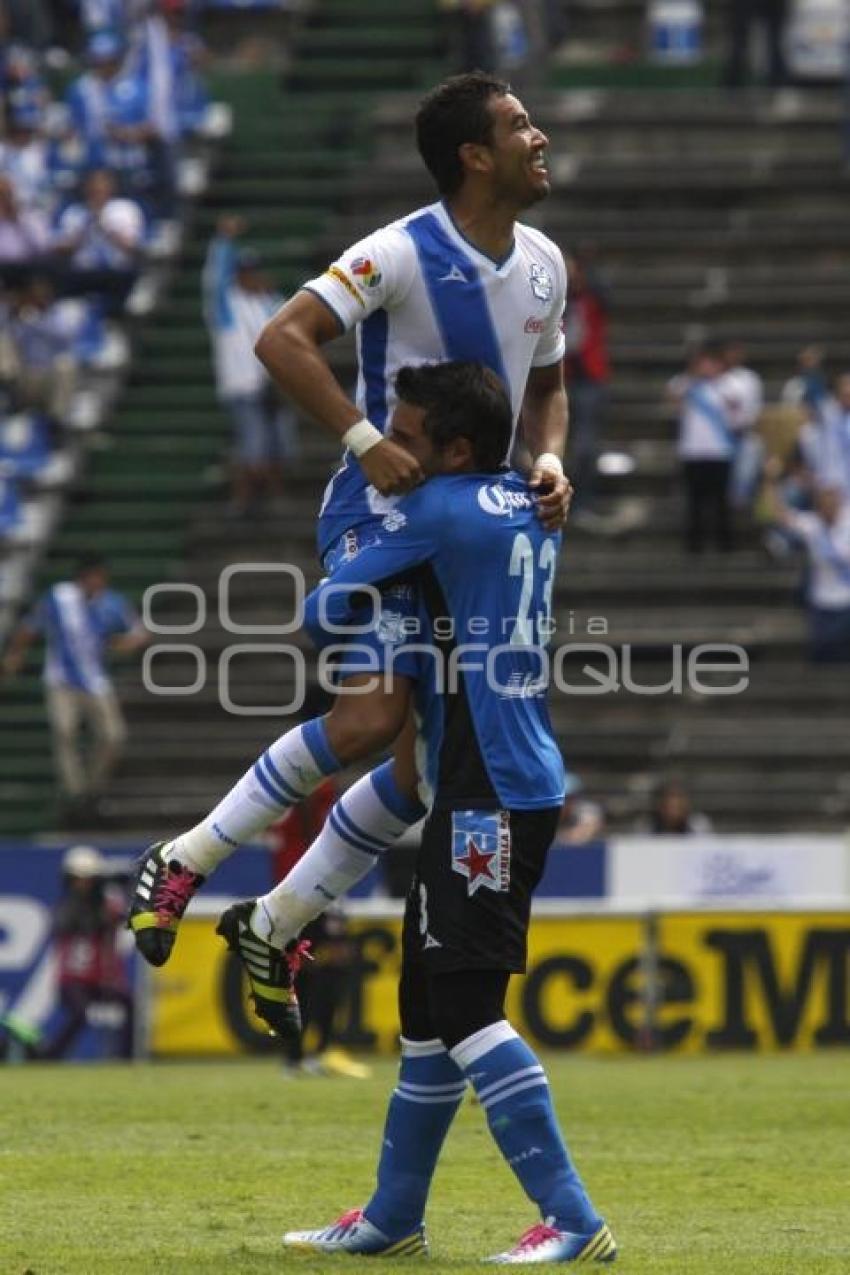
column 514, row 160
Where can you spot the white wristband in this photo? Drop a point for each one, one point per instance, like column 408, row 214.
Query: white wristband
column 548, row 460
column 362, row 437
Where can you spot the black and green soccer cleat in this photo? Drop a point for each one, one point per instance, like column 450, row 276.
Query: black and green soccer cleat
column 270, row 971
column 162, row 889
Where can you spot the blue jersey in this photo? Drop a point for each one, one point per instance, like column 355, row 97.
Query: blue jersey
column 484, row 570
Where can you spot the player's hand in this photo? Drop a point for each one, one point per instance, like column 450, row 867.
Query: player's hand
column 390, row 469
column 554, row 498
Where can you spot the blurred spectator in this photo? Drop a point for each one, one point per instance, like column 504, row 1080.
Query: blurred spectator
column 26, row 22
column 671, row 812
column 20, row 77
column 833, row 461
column 86, row 925
column 809, row 387
column 24, row 233
column 25, row 156
column 10, row 507
column 80, row 620
column 324, row 982
column 580, row 820
column 825, row 533
column 37, row 352
column 115, row 108
column 706, row 448
column 744, row 16
column 104, row 15
column 238, row 299
column 743, row 392
column 471, row 33
column 102, row 239
column 587, row 370
column 187, row 54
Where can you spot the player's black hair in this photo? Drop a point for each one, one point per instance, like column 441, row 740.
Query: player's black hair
column 461, row 400
column 455, row 112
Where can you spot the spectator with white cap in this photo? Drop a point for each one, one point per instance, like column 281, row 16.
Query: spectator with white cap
column 90, row 971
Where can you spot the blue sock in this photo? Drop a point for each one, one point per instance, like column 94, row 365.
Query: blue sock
column 429, row 1091
column 512, row 1088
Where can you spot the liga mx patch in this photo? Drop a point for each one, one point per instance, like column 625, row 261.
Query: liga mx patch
column 481, row 849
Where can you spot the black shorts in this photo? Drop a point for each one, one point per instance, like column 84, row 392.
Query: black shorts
column 470, row 898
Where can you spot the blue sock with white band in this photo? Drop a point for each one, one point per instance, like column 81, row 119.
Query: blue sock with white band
column 513, row 1090
column 423, row 1105
column 361, row 826
column 281, row 777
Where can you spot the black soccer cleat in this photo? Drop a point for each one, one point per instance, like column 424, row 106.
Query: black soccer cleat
column 270, row 971
column 162, row 890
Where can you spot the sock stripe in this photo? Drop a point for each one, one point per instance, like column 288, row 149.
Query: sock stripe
column 315, row 737
column 482, row 1042
column 534, row 1083
column 347, row 836
column 355, row 829
column 489, row 1090
column 429, row 1102
column 276, row 799
column 453, row 1087
column 404, row 809
column 276, row 777
column 422, row 1048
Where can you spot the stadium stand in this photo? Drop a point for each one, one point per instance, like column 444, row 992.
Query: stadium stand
column 714, row 214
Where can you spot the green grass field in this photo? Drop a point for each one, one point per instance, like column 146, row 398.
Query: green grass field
column 734, row 1165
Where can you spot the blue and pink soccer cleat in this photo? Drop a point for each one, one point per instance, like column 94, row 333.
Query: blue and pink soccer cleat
column 353, row 1233
column 542, row 1243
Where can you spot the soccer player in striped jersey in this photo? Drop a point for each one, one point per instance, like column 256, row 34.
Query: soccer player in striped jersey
column 459, row 280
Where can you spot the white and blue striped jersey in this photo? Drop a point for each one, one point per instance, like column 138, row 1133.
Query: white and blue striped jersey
column 76, row 630
column 419, row 292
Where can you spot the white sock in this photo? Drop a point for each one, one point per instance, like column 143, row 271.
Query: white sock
column 360, row 827
column 285, row 774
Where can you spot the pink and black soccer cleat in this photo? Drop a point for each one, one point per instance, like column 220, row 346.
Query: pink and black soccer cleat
column 162, row 889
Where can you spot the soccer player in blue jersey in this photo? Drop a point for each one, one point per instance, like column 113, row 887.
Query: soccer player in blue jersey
column 485, row 567
column 459, row 280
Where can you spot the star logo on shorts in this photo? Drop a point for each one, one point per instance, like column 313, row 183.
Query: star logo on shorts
column 481, row 849
column 477, row 864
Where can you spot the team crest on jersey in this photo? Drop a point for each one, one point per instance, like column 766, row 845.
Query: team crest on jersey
column 481, row 849
column 541, row 282
column 366, row 271
column 394, row 520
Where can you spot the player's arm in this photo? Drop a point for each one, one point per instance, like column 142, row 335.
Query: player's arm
column 393, row 554
column 545, row 410
column 544, row 423
column 290, row 349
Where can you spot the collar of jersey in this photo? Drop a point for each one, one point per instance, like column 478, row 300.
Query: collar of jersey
column 496, row 263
